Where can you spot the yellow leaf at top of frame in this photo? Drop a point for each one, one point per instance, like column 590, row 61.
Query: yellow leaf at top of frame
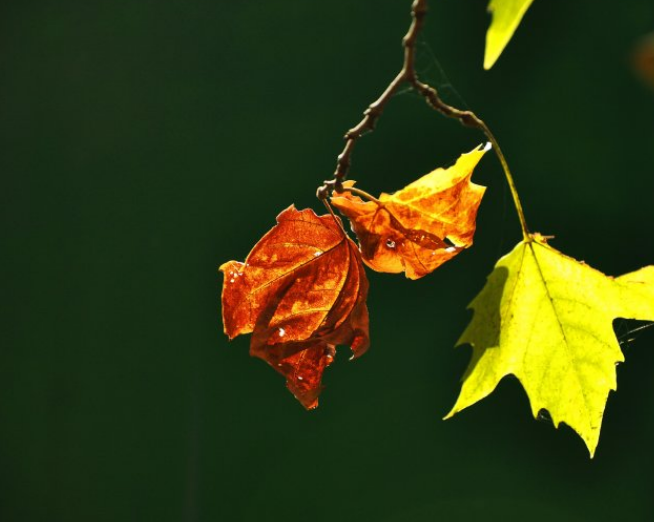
column 507, row 15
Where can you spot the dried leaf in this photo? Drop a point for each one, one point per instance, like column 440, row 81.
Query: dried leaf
column 301, row 291
column 547, row 319
column 421, row 226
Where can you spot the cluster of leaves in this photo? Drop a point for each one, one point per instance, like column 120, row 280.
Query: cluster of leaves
column 542, row 316
column 302, row 289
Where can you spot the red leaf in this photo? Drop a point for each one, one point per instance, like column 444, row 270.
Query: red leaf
column 301, row 291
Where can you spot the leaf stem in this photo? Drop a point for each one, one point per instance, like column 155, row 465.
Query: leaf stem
column 334, row 216
column 409, row 75
column 509, row 179
column 470, row 119
column 363, row 194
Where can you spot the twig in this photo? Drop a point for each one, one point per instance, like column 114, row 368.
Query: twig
column 409, row 75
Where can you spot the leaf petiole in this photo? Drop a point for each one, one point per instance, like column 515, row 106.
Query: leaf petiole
column 363, row 194
column 336, row 219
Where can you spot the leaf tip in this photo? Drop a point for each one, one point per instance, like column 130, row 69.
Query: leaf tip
column 590, row 443
column 491, row 55
column 456, row 408
column 506, row 19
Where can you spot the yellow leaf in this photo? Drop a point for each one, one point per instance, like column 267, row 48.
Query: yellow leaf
column 506, row 18
column 547, row 319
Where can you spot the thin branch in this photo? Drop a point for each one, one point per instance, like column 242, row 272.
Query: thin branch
column 409, row 75
column 376, row 108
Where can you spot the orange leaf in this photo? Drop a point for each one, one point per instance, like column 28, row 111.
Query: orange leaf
column 301, row 291
column 421, row 226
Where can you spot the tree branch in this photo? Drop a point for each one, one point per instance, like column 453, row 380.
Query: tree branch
column 409, row 75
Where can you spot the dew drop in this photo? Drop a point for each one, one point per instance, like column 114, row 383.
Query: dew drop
column 318, row 253
column 390, row 243
column 300, row 378
column 282, row 332
column 231, row 280
column 451, row 249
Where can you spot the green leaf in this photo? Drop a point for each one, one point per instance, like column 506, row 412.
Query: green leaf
column 547, row 319
column 506, row 18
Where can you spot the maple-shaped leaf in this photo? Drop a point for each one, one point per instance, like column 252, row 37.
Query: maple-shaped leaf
column 301, row 291
column 547, row 319
column 507, row 15
column 418, row 228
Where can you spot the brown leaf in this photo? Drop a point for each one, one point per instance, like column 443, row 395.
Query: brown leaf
column 301, row 291
column 421, row 226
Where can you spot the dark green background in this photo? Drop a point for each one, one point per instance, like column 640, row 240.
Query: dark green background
column 144, row 143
